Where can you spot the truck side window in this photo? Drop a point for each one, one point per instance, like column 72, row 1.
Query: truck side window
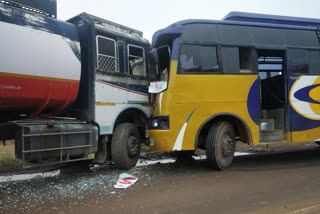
column 136, row 61
column 121, row 63
column 106, row 55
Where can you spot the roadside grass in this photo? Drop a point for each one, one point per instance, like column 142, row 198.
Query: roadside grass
column 8, row 160
column 7, row 156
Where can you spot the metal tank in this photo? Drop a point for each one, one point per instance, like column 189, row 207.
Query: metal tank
column 39, row 63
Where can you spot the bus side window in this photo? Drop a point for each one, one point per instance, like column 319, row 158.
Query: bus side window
column 230, row 60
column 246, row 60
column 314, row 61
column 237, row 60
column 303, row 61
column 197, row 58
column 186, row 62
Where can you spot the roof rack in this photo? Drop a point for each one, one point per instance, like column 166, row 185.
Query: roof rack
column 271, row 19
column 114, row 26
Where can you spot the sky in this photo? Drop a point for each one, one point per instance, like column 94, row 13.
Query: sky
column 149, row 16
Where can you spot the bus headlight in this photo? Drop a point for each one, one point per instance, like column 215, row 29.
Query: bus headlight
column 161, row 122
column 155, row 123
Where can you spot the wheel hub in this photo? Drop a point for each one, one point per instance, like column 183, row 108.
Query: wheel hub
column 133, row 145
column 227, row 145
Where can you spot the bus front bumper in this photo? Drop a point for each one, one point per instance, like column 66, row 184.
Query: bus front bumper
column 158, row 131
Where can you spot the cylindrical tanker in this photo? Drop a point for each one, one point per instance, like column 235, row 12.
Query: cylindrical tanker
column 39, row 64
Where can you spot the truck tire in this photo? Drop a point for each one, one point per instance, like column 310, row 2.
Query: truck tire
column 102, row 154
column 125, row 146
column 220, row 145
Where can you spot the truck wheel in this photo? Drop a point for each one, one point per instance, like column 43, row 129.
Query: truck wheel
column 125, row 146
column 101, row 155
column 220, row 145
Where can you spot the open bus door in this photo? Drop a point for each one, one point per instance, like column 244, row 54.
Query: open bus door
column 273, row 93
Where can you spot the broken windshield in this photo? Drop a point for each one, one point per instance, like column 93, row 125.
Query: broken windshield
column 161, row 58
column 164, row 62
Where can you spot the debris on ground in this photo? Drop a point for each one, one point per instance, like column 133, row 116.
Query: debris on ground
column 125, row 180
column 23, row 177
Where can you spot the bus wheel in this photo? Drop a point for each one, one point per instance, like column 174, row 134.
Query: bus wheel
column 125, row 146
column 220, row 145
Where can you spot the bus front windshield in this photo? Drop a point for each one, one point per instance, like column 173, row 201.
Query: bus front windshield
column 162, row 66
column 164, row 62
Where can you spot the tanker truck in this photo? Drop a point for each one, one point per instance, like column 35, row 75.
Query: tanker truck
column 71, row 90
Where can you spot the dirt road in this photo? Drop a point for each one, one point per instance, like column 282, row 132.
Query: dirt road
column 286, row 182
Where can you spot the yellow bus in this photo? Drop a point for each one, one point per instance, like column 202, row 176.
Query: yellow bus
column 249, row 77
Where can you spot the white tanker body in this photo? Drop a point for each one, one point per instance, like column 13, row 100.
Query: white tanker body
column 40, row 64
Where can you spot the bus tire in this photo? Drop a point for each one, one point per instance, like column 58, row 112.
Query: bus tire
column 220, row 145
column 125, row 146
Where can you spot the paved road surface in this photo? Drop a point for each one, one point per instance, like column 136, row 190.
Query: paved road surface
column 286, row 182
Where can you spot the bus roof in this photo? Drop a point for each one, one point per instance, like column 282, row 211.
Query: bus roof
column 201, row 26
column 271, row 19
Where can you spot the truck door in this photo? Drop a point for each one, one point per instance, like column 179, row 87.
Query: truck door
column 137, row 71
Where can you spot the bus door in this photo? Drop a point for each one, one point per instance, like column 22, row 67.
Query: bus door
column 273, row 95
